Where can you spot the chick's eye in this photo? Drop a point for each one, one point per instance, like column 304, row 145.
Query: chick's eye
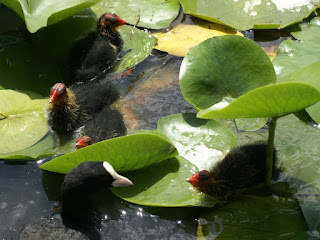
column 204, row 175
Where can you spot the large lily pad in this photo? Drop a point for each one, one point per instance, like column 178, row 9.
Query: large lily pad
column 164, row 185
column 126, row 153
column 244, row 15
column 293, row 54
column 254, row 217
column 40, row 13
column 309, row 74
column 270, row 101
column 180, row 39
column 225, row 66
column 18, row 59
column 202, row 142
column 22, row 121
column 154, row 14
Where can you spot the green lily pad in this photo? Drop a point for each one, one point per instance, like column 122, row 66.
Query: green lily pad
column 220, row 67
column 22, row 121
column 250, row 124
column 293, row 54
column 36, row 151
column 270, row 101
column 244, row 15
column 254, row 217
column 154, row 14
column 40, row 13
column 164, row 184
column 138, row 48
column 126, row 153
column 202, row 142
column 18, row 59
column 309, row 74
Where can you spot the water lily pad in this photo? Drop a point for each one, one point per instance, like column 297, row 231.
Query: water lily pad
column 164, row 185
column 137, row 48
column 309, row 74
column 202, row 142
column 293, row 54
column 254, row 217
column 154, row 14
column 270, row 101
column 180, row 39
column 225, row 66
column 126, row 153
column 250, row 124
column 22, row 121
column 244, row 15
column 40, row 13
column 18, row 59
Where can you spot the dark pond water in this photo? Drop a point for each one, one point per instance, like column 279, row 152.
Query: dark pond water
column 152, row 91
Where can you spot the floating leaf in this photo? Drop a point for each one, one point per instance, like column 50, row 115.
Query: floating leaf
column 18, row 59
column 254, row 217
column 202, row 142
column 250, row 124
column 293, row 54
column 40, row 13
column 244, row 15
column 180, row 39
column 270, row 101
column 154, row 14
column 164, row 184
column 126, row 153
column 225, row 66
column 22, row 121
column 137, row 49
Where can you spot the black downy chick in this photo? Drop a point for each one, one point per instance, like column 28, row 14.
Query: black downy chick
column 78, row 219
column 98, row 52
column 243, row 167
column 70, row 108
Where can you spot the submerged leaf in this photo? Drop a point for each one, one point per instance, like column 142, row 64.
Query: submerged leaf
column 22, row 121
column 270, row 101
column 126, row 153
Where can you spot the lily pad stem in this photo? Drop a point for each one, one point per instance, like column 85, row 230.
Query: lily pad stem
column 269, row 160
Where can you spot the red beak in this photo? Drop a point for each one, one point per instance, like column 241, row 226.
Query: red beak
column 120, row 21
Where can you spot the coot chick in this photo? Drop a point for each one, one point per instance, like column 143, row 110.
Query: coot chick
column 243, row 167
column 98, row 52
column 78, row 219
column 70, row 108
column 107, row 124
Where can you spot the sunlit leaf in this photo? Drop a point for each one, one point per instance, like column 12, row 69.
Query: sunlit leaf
column 270, row 101
column 22, row 121
column 202, row 142
column 180, row 39
column 153, row 14
column 126, row 153
column 40, row 13
column 244, row 15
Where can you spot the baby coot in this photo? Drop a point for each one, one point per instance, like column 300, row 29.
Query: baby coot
column 70, row 108
column 243, row 167
column 78, row 219
column 107, row 124
column 99, row 51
